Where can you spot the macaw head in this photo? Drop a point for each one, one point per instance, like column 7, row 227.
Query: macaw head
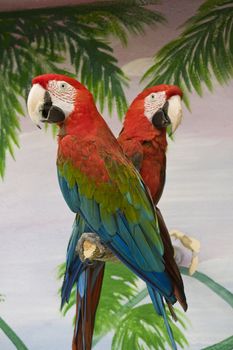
column 161, row 105
column 53, row 97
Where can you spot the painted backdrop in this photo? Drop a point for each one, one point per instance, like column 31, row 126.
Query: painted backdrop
column 35, row 223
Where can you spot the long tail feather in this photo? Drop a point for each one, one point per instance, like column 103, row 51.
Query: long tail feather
column 74, row 266
column 69, row 280
column 88, row 295
column 158, row 303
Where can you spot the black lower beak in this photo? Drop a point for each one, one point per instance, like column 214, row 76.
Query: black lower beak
column 50, row 113
column 55, row 115
column 160, row 119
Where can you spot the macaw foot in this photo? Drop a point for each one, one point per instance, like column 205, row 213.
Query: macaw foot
column 90, row 248
column 191, row 244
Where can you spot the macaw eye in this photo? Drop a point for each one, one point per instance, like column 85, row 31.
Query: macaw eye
column 152, row 96
column 62, row 86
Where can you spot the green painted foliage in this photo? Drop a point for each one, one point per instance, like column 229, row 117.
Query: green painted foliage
column 13, row 337
column 202, row 52
column 142, row 328
column 226, row 344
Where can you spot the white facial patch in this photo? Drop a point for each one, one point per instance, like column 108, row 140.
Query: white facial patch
column 175, row 111
column 63, row 95
column 153, row 103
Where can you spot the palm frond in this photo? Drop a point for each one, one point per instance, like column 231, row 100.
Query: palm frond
column 40, row 41
column 9, row 123
column 204, row 50
column 142, row 328
column 12, row 336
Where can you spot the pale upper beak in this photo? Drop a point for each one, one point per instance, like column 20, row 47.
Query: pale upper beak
column 175, row 111
column 35, row 103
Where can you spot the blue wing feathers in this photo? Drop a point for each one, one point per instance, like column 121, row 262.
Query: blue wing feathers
column 159, row 280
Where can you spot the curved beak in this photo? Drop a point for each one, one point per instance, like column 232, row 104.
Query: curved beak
column 175, row 111
column 169, row 115
column 41, row 108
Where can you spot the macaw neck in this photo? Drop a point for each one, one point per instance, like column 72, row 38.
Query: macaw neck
column 141, row 129
column 161, row 140
column 84, row 120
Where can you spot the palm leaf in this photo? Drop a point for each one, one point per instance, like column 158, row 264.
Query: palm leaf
column 38, row 41
column 142, row 328
column 12, row 336
column 226, row 344
column 204, row 50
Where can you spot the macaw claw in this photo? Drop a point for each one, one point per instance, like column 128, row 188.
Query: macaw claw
column 90, row 248
column 190, row 243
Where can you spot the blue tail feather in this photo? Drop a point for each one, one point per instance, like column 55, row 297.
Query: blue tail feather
column 158, row 303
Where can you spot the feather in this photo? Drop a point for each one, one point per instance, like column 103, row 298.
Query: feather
column 74, row 266
column 70, row 195
column 158, row 303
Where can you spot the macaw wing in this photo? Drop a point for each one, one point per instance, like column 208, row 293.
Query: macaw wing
column 108, row 192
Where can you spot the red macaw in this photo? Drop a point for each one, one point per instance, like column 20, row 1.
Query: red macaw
column 143, row 140
column 100, row 184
